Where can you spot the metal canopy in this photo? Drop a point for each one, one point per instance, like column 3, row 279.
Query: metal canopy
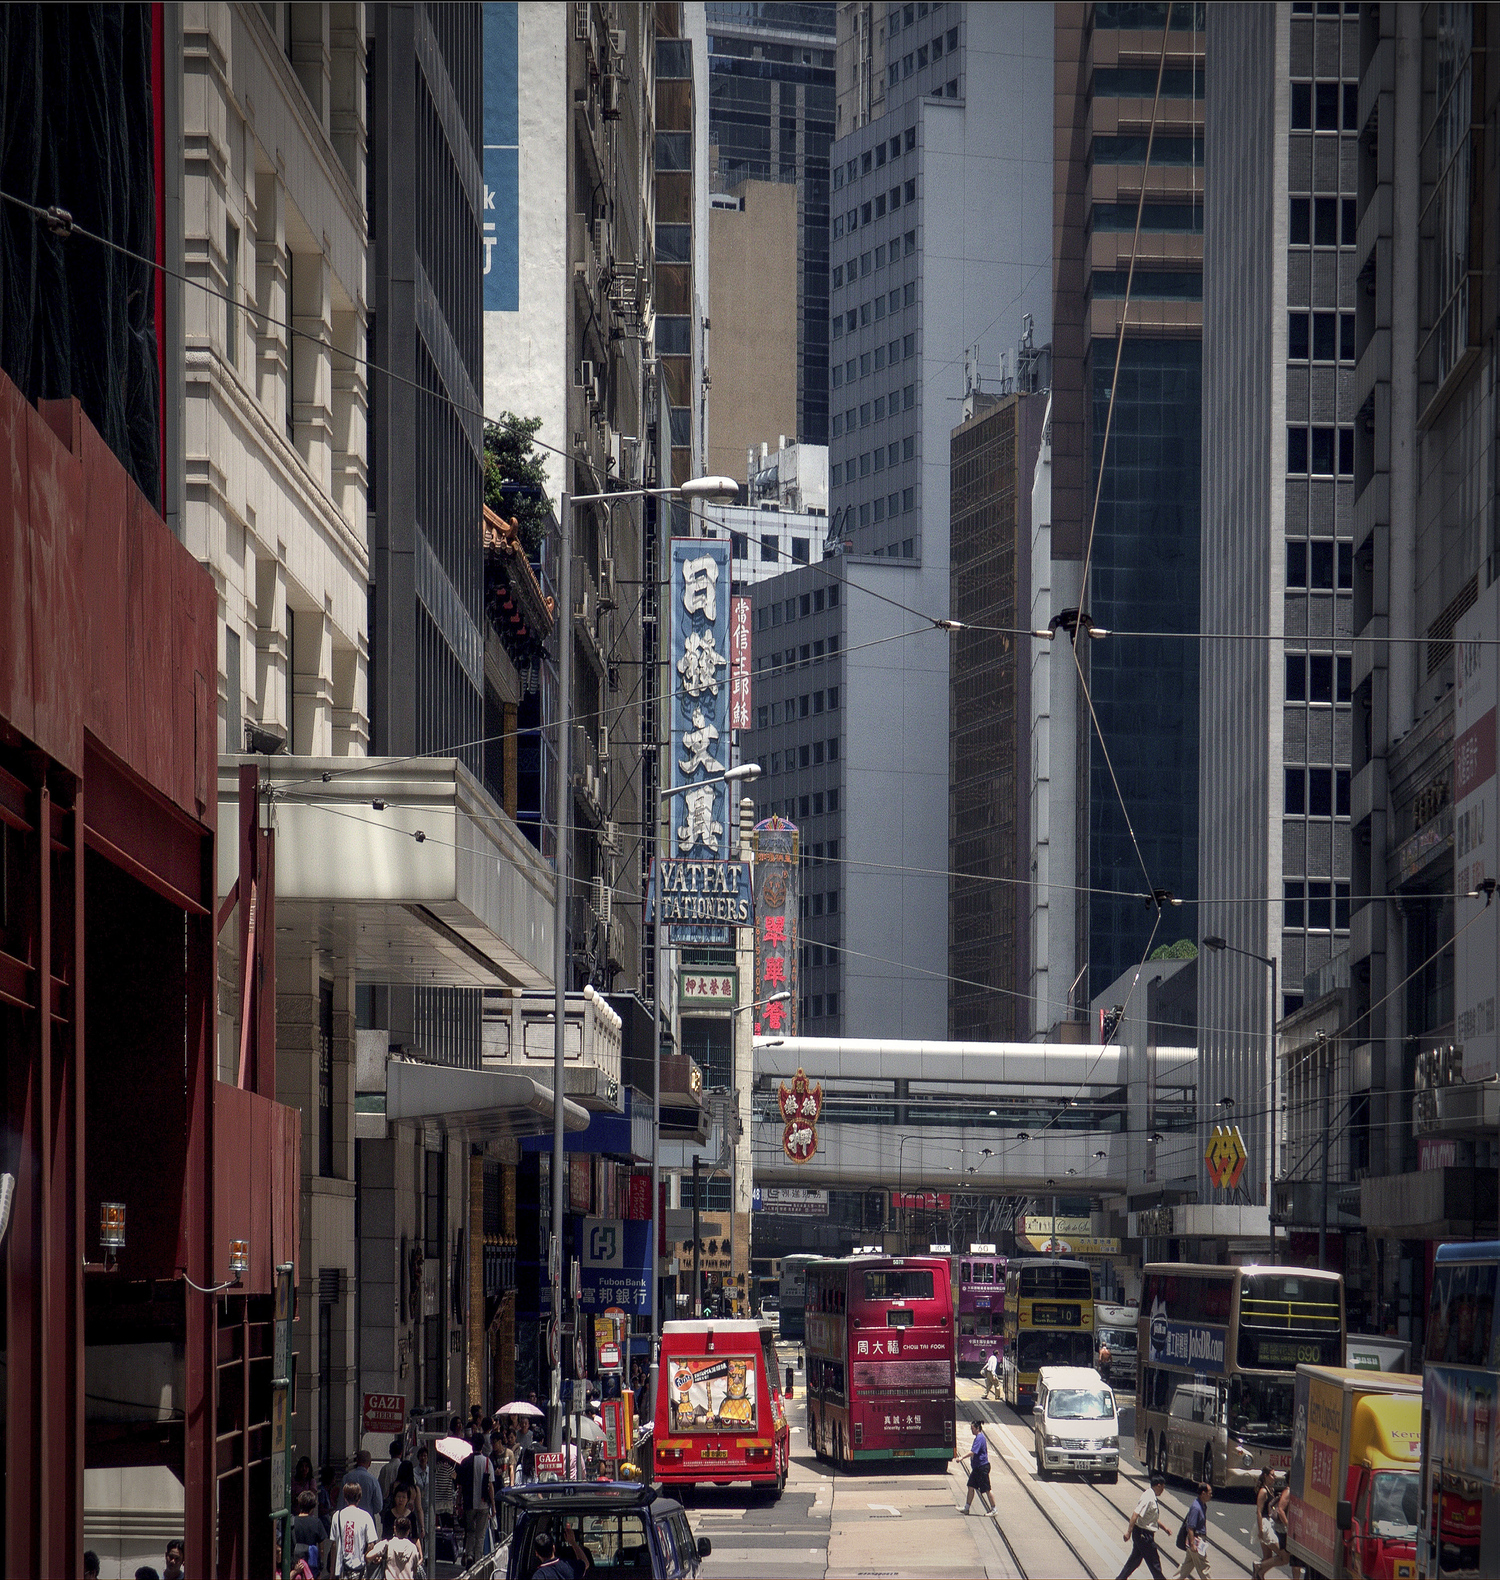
column 478, row 1102
column 469, row 904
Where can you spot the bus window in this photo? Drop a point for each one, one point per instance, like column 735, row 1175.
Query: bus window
column 899, row 1283
column 966, row 1322
column 988, row 1272
column 963, row 1273
column 982, row 1323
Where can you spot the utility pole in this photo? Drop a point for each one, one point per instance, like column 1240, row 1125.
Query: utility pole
column 1323, row 1216
column 697, row 1244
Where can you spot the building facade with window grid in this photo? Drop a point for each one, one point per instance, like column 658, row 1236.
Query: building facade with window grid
column 1279, row 517
column 939, row 242
column 771, row 118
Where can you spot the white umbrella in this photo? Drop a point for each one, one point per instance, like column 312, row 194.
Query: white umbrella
column 588, row 1430
column 454, row 1448
column 520, row 1407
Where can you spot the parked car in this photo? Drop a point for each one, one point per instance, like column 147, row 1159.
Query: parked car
column 1075, row 1423
column 628, row 1531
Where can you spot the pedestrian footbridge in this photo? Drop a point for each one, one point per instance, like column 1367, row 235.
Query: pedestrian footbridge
column 994, row 1118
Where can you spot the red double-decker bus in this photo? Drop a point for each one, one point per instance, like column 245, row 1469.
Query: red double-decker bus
column 880, row 1358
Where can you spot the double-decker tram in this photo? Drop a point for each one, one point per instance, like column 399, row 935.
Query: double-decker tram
column 978, row 1307
column 1219, row 1349
column 1049, row 1321
column 880, row 1358
column 793, row 1295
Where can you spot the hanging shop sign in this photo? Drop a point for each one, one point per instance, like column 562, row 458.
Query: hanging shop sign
column 800, row 1103
column 699, row 989
column 1225, row 1156
column 705, row 896
column 700, row 697
column 739, row 664
column 777, row 913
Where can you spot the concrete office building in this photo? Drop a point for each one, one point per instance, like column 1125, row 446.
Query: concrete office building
column 785, row 522
column 770, row 123
column 940, row 241
column 994, row 456
column 275, row 507
column 1411, row 1139
column 1279, row 412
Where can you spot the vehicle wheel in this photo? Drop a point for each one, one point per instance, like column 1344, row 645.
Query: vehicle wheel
column 1161, row 1458
column 1043, row 1474
column 1110, row 1477
column 1150, row 1451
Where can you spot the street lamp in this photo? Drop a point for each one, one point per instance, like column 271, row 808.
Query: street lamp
column 742, row 773
column 704, row 490
column 1219, row 945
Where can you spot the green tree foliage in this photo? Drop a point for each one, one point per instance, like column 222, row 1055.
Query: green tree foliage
column 515, row 479
column 1183, row 949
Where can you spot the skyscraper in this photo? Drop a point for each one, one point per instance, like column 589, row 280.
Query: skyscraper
column 940, row 242
column 771, row 119
column 1279, row 496
column 1138, row 547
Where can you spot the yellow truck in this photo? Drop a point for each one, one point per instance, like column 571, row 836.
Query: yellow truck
column 1355, row 1476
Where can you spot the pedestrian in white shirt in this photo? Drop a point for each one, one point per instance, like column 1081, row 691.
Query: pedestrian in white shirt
column 354, row 1533
column 1141, row 1532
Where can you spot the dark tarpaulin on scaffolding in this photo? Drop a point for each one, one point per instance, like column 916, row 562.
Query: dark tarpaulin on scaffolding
column 77, row 129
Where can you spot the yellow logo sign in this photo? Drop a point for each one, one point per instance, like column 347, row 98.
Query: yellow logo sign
column 1225, row 1156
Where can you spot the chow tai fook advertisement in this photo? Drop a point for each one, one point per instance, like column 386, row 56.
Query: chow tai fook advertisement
column 776, row 927
column 1477, row 920
column 712, row 1395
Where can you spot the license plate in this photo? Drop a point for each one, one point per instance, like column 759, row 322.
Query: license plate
column 716, row 1453
column 903, row 1453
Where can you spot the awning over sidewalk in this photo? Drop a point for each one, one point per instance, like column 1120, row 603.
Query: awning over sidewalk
column 478, row 1102
column 398, row 871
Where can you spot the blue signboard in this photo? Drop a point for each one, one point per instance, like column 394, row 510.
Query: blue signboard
column 614, row 1260
column 700, row 820
column 502, row 160
column 1192, row 1346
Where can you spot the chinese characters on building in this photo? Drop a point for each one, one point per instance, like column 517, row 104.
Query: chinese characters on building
column 700, row 697
column 739, row 659
column 776, row 926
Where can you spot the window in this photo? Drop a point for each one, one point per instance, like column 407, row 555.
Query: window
column 850, row 370
column 879, row 407
column 1326, row 222
column 739, row 546
column 1351, row 106
column 833, row 698
column 908, row 498
column 1344, row 669
column 908, row 449
column 865, row 162
column 910, row 194
column 1319, row 911
column 802, row 704
column 1346, row 337
column 1301, row 106
column 880, row 509
column 1296, row 564
column 1321, row 559
column 1296, row 337
column 879, row 155
column 231, row 299
column 952, row 38
column 1346, row 452
column 1341, row 782
column 911, row 138
column 833, row 750
column 817, row 702
column 1320, row 677
column 895, row 196
column 817, row 754
column 864, row 417
column 770, row 548
column 818, row 598
column 1293, row 911
column 879, row 350
column 909, row 397
column 937, row 47
column 864, row 464
column 833, row 800
column 804, row 758
column 1296, row 677
column 1349, row 220
column 1296, row 792
column 818, row 805
column 921, row 57
column 804, row 655
column 1322, row 452
column 1320, row 792
column 1296, row 450
column 893, row 504
column 1300, row 233
column 909, row 243
column 1326, row 106
column 833, row 596
column 833, row 902
column 909, row 293
column 762, row 717
column 838, row 374
column 1324, row 336
column 1346, row 565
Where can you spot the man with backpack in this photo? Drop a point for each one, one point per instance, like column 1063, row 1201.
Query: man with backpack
column 354, row 1533
column 476, row 1478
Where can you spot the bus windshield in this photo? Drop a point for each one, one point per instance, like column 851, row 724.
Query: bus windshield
column 899, row 1283
column 1045, row 1280
column 1121, row 1340
column 1081, row 1404
column 1260, row 1408
column 1037, row 1348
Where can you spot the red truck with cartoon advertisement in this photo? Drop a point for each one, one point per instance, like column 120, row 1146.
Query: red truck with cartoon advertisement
column 719, row 1410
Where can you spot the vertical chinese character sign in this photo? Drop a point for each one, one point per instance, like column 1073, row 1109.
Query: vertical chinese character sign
column 776, row 917
column 739, row 664
column 700, row 687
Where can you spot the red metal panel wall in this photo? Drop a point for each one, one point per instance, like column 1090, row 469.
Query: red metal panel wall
column 258, row 1173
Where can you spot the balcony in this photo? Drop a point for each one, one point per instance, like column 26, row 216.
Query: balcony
column 521, row 614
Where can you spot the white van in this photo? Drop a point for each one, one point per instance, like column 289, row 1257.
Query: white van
column 1075, row 1423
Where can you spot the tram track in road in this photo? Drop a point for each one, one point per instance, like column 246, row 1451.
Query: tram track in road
column 1137, row 1480
column 1025, row 1485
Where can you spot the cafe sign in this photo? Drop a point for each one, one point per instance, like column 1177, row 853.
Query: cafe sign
column 800, row 1104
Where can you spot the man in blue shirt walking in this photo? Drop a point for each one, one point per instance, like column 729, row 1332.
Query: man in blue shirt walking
column 1195, row 1558
column 979, row 1468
